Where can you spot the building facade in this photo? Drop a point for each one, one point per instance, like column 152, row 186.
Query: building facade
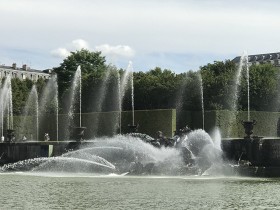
column 273, row 58
column 23, row 72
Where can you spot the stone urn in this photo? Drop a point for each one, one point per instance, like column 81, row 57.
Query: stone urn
column 248, row 126
column 78, row 133
column 10, row 135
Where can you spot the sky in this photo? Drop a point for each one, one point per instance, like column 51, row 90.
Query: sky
column 179, row 35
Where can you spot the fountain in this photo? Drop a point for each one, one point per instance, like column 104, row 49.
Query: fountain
column 202, row 99
column 248, row 125
column 99, row 99
column 7, row 107
column 120, row 154
column 186, row 153
column 77, row 132
column 128, row 155
column 31, row 109
column 49, row 103
column 119, row 102
column 132, row 126
column 123, row 86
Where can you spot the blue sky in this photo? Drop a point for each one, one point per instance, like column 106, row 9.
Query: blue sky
column 175, row 34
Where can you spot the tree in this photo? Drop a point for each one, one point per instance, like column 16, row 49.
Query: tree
column 155, row 89
column 93, row 69
column 264, row 86
column 20, row 91
column 218, row 84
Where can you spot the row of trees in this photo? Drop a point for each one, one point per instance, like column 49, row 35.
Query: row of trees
column 159, row 88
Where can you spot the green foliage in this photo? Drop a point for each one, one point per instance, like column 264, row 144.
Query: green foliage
column 93, row 70
column 92, row 65
column 159, row 88
column 264, row 86
column 219, row 80
column 218, row 84
column 155, row 89
column 21, row 90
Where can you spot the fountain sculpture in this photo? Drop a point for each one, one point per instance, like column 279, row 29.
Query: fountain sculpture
column 188, row 152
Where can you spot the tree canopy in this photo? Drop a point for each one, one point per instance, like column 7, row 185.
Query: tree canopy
column 159, row 88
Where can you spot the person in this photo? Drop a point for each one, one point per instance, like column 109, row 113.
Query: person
column 2, row 138
column 47, row 137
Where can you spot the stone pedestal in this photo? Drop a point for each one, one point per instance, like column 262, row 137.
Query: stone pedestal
column 248, row 126
column 10, row 135
column 78, row 133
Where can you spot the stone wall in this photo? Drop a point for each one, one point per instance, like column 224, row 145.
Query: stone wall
column 150, row 121
column 98, row 124
column 230, row 122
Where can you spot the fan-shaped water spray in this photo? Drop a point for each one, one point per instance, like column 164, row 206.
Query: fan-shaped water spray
column 59, row 164
column 124, row 154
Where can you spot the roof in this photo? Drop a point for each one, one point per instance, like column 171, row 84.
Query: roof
column 28, row 69
column 260, row 57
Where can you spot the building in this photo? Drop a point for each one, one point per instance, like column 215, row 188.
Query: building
column 273, row 58
column 24, row 72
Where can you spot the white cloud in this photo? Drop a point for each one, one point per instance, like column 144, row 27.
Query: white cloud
column 118, row 50
column 79, row 44
column 60, row 53
column 64, row 52
column 150, row 26
column 112, row 52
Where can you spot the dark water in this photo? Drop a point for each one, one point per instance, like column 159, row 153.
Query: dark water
column 85, row 191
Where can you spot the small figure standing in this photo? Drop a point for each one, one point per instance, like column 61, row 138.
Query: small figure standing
column 2, row 138
column 46, row 137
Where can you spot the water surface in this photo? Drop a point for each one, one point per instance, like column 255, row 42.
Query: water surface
column 87, row 191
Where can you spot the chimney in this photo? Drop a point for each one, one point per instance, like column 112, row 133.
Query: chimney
column 14, row 66
column 24, row 67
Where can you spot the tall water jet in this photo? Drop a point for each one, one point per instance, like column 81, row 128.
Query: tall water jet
column 132, row 126
column 56, row 107
column 180, row 102
column 31, row 108
column 7, row 105
column 248, row 85
column 124, row 84
column 119, row 102
column 80, row 97
column 124, row 80
column 49, row 103
column 99, row 99
column 132, row 96
column 76, row 92
column 236, row 90
column 248, row 125
column 202, row 99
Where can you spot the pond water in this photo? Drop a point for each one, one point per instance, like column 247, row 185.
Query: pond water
column 26, row 190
